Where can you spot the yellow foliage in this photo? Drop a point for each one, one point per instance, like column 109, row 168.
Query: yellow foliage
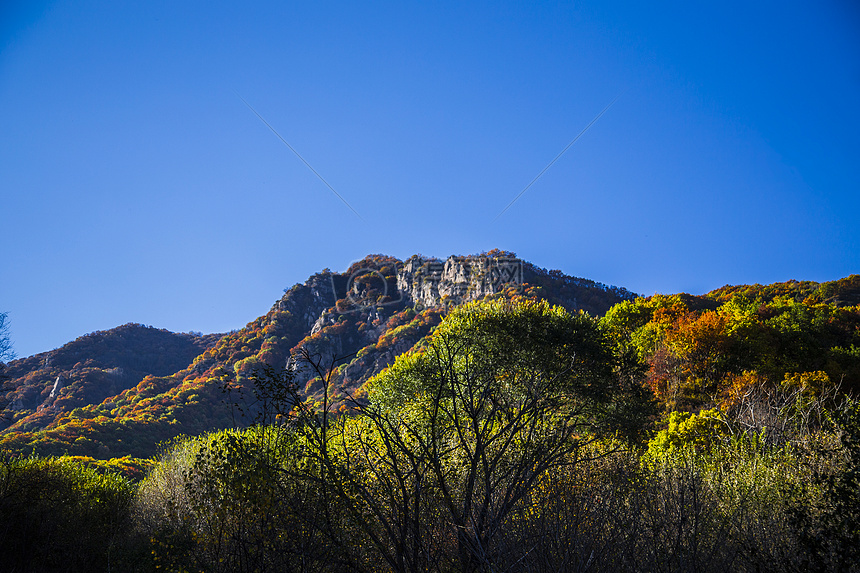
column 687, row 430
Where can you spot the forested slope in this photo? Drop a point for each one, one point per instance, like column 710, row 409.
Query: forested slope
column 392, row 425
column 107, row 405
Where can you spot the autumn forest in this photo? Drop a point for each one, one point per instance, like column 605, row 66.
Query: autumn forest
column 474, row 414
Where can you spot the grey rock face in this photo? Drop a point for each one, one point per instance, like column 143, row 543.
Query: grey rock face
column 431, row 282
column 421, row 282
column 309, row 301
column 418, row 282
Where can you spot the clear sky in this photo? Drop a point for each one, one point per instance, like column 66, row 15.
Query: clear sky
column 136, row 186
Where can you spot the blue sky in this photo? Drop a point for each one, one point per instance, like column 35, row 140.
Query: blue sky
column 136, row 186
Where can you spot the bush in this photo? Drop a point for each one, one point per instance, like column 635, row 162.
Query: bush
column 230, row 501
column 56, row 514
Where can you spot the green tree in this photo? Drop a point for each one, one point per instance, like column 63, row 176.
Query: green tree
column 461, row 431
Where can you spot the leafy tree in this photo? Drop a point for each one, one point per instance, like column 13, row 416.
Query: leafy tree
column 460, row 432
column 700, row 431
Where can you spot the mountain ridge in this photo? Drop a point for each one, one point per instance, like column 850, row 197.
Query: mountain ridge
column 379, row 308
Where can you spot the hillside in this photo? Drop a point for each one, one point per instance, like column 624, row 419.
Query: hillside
column 93, row 367
column 842, row 292
column 122, row 392
column 118, row 397
column 750, row 350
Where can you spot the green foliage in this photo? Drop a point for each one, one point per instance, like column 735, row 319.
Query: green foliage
column 499, row 442
column 57, row 514
column 830, row 525
column 496, row 445
column 842, row 292
column 515, row 348
column 228, row 502
column 500, row 394
column 426, row 475
column 722, row 508
column 702, row 432
column 697, row 348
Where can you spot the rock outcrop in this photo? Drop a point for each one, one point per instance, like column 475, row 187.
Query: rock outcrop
column 431, row 282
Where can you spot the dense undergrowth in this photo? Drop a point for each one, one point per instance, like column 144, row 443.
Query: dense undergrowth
column 251, row 501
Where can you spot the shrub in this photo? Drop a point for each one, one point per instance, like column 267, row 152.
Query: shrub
column 56, row 514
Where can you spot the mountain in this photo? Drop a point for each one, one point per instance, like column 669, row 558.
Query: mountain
column 122, row 392
column 89, row 369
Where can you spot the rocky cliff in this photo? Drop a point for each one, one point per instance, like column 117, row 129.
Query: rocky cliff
column 382, row 306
